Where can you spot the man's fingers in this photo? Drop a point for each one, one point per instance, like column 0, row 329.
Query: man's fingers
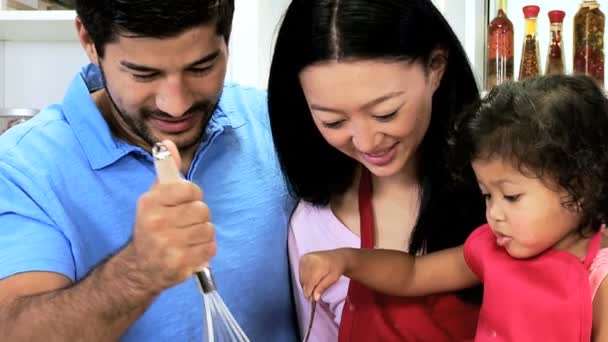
column 174, row 152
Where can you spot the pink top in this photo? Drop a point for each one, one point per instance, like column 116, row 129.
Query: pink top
column 598, row 270
column 315, row 229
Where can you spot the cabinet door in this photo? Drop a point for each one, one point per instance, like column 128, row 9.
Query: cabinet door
column 469, row 19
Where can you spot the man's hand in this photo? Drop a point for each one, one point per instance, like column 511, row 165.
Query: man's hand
column 173, row 234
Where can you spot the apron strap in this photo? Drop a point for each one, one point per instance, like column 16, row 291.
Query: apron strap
column 366, row 210
column 593, row 247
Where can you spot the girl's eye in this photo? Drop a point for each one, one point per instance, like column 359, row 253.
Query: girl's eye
column 334, row 124
column 512, row 198
column 386, row 117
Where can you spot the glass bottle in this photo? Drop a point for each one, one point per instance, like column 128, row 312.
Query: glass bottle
column 589, row 41
column 530, row 57
column 555, row 56
column 500, row 48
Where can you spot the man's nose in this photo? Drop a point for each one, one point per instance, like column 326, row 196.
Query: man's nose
column 173, row 97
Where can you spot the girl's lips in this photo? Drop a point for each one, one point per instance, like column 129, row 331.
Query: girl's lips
column 176, row 126
column 502, row 240
column 381, row 158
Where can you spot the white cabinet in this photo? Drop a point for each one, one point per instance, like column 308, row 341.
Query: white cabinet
column 37, row 25
column 40, row 54
column 468, row 19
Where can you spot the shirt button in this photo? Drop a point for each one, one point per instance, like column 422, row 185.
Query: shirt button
column 351, row 307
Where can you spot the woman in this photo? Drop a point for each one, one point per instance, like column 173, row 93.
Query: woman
column 360, row 95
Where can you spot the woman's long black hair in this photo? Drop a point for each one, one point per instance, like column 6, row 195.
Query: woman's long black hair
column 319, row 31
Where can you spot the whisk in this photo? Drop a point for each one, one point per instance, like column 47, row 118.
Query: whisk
column 221, row 325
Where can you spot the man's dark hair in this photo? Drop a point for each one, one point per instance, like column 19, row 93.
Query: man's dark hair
column 105, row 20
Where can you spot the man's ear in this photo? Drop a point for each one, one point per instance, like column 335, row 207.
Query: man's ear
column 437, row 64
column 86, row 42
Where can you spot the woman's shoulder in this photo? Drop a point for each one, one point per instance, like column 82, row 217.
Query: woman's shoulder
column 306, row 213
column 308, row 218
column 316, row 228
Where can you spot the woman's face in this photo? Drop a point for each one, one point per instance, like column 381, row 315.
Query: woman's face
column 376, row 112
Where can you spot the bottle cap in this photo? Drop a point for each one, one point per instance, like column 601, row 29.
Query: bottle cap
column 531, row 11
column 556, row 16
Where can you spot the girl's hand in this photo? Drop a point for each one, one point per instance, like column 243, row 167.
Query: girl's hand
column 320, row 270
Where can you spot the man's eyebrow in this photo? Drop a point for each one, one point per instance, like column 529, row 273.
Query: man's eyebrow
column 206, row 59
column 144, row 68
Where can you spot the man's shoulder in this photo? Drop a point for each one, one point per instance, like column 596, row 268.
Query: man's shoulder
column 243, row 94
column 45, row 138
column 244, row 104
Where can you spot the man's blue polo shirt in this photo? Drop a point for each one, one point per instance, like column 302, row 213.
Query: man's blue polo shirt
column 69, row 189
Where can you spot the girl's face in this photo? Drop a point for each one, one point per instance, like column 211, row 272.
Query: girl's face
column 376, row 112
column 525, row 213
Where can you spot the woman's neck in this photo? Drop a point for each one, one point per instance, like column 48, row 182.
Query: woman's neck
column 406, row 180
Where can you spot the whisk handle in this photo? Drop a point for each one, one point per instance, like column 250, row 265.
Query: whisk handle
column 205, row 279
column 167, row 171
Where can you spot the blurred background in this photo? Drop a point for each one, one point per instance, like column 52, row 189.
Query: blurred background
column 39, row 54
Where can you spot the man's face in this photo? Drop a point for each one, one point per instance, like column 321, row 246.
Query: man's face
column 164, row 88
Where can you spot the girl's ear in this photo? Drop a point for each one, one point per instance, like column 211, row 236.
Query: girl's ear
column 437, row 64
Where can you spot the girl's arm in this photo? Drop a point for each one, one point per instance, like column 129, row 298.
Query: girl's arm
column 600, row 313
column 387, row 271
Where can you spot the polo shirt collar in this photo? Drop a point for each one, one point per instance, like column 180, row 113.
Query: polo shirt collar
column 101, row 147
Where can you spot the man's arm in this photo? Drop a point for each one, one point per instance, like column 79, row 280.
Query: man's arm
column 44, row 306
column 172, row 237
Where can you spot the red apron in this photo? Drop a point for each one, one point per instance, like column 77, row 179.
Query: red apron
column 369, row 316
column 545, row 298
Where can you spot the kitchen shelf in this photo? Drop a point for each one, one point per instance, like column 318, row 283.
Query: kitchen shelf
column 37, row 25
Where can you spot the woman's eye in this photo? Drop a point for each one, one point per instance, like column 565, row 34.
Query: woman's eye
column 333, row 124
column 386, row 117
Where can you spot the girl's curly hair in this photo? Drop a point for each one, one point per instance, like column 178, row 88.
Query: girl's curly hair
column 552, row 127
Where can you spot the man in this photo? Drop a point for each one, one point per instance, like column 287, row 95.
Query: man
column 91, row 247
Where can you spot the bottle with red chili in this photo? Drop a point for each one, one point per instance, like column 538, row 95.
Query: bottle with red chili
column 589, row 41
column 530, row 56
column 555, row 56
column 500, row 48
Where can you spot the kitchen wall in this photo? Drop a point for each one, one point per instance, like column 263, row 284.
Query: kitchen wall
column 36, row 73
column 467, row 19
